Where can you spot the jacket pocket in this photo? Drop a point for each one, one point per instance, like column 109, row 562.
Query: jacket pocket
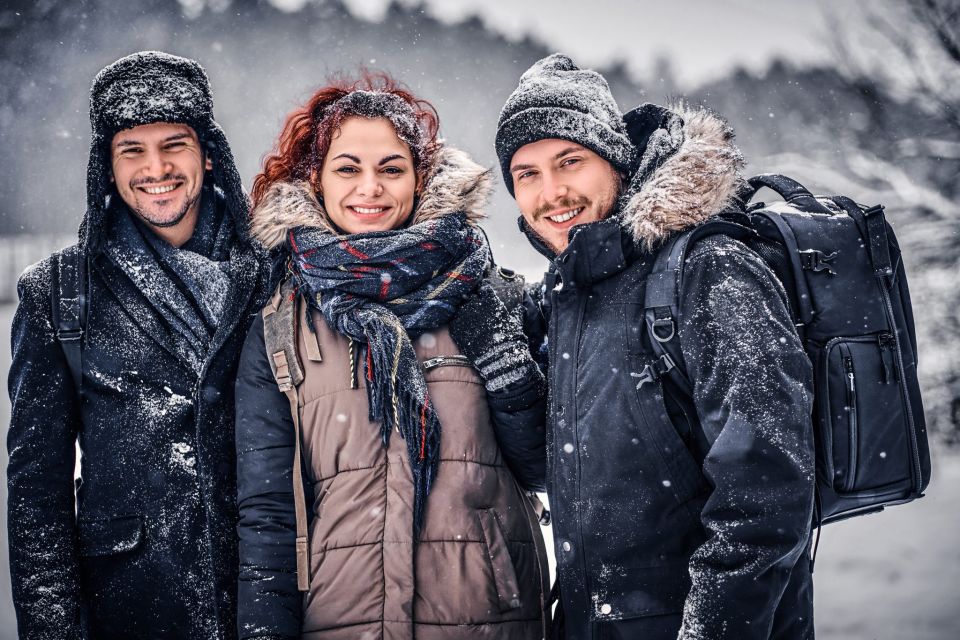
column 504, row 573
column 110, row 536
column 646, row 591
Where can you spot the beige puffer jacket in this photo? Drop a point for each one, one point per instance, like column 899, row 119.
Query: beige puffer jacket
column 480, row 568
column 476, row 572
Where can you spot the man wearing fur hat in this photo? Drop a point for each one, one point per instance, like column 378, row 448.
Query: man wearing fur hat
column 673, row 512
column 127, row 344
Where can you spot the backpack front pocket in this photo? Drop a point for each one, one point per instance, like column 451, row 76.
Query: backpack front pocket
column 864, row 442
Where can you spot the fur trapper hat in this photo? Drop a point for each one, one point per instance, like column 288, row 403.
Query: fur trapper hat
column 145, row 88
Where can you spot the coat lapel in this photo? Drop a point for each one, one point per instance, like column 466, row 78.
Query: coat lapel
column 138, row 307
column 245, row 281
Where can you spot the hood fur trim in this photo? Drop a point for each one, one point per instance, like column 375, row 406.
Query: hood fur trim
column 454, row 184
column 699, row 181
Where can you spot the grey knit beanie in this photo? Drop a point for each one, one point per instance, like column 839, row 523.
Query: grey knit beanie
column 145, row 88
column 557, row 99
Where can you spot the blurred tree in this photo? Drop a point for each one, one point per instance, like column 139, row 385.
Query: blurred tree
column 910, row 50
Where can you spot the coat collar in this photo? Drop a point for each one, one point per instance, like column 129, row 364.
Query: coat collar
column 454, row 183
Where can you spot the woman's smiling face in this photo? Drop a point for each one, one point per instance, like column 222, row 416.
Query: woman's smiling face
column 367, row 179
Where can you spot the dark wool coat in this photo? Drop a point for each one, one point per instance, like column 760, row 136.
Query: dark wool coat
column 667, row 523
column 479, row 569
column 151, row 551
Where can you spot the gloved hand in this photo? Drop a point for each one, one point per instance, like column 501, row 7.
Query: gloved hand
column 492, row 338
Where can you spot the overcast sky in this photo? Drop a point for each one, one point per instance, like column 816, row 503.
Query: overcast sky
column 701, row 38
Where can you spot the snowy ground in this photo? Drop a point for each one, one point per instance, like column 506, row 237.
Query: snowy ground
column 889, row 576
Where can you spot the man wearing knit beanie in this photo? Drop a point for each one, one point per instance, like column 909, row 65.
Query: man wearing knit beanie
column 125, row 345
column 681, row 505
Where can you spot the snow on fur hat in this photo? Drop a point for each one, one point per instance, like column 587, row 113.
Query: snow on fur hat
column 145, row 88
column 557, row 99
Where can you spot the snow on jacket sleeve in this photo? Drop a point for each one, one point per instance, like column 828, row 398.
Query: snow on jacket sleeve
column 519, row 411
column 44, row 423
column 268, row 602
column 753, row 395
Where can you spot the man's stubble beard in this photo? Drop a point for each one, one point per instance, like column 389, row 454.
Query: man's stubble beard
column 177, row 219
column 610, row 209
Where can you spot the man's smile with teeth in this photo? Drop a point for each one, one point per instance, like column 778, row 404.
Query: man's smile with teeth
column 158, row 190
column 567, row 215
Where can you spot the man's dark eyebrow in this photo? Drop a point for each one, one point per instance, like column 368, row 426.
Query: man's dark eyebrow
column 572, row 149
column 394, row 156
column 177, row 136
column 348, row 157
column 518, row 167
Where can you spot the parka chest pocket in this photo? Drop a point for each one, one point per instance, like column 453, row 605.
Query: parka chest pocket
column 681, row 473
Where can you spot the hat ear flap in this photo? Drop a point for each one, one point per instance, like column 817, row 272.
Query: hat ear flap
column 226, row 177
column 99, row 177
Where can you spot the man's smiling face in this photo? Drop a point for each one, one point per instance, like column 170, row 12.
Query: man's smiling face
column 559, row 184
column 158, row 169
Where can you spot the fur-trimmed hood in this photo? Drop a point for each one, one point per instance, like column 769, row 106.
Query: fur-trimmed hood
column 697, row 182
column 454, row 183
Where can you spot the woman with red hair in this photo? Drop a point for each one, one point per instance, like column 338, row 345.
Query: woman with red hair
column 388, row 386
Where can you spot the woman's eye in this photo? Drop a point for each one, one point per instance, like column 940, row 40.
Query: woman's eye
column 393, row 170
column 346, row 170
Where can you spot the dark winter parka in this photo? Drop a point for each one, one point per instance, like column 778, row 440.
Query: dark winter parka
column 151, row 551
column 664, row 520
column 479, row 569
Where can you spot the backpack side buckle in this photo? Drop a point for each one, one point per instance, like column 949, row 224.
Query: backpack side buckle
column 813, row 260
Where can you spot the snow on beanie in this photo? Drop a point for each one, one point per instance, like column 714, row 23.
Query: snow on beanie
column 145, row 88
column 557, row 99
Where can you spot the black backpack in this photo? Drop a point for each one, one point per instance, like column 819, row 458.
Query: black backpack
column 840, row 266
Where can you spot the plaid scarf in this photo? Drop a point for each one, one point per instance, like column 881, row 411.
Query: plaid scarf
column 382, row 289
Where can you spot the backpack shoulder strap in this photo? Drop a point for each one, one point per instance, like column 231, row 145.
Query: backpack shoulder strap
column 662, row 299
column 280, row 320
column 68, row 302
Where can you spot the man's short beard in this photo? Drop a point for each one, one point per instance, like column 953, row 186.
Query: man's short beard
column 177, row 219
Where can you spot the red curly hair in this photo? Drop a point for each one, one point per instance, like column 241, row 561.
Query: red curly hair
column 308, row 130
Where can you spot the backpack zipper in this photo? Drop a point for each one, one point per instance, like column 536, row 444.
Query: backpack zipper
column 851, row 420
column 446, row 361
column 887, row 344
column 901, row 374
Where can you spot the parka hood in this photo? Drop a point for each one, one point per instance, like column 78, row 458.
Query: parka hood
column 692, row 185
column 454, row 184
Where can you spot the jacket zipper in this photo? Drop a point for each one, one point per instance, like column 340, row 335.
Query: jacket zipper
column 851, row 419
column 446, row 361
